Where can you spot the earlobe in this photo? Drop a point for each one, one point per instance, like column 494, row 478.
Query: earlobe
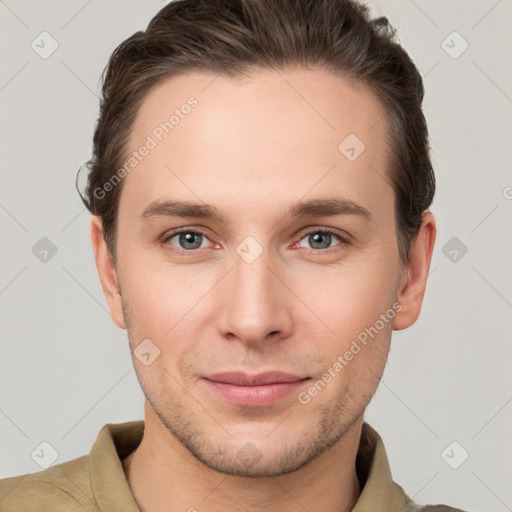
column 107, row 272
column 414, row 276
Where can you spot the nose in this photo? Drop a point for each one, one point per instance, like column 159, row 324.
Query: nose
column 255, row 305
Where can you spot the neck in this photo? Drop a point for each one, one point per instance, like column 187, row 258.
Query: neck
column 165, row 476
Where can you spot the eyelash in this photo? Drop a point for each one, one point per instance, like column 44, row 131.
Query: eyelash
column 344, row 241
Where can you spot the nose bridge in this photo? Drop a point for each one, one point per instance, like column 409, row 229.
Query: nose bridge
column 254, row 306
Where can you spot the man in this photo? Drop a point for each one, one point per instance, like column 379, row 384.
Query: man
column 260, row 187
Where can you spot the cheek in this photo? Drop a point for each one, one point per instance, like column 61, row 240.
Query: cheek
column 350, row 297
column 163, row 298
column 167, row 301
column 158, row 307
column 158, row 303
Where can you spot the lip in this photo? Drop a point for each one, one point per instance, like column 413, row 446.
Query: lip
column 244, row 379
column 259, row 390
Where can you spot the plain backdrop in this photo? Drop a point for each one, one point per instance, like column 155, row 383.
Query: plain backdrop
column 65, row 368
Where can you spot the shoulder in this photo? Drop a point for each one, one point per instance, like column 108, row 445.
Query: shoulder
column 65, row 486
column 436, row 508
column 406, row 504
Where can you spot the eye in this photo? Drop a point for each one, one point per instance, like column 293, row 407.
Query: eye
column 321, row 239
column 187, row 240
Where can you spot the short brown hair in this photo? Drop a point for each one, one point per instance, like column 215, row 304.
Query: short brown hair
column 233, row 36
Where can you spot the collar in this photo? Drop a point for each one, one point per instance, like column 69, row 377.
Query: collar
column 115, row 441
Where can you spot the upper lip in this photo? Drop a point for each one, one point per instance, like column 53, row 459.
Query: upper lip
column 244, row 379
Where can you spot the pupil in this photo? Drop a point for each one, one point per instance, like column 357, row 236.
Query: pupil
column 318, row 236
column 188, row 238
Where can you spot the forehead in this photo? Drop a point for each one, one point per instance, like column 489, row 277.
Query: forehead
column 267, row 99
column 275, row 131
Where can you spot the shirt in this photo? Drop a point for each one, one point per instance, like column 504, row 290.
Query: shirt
column 97, row 482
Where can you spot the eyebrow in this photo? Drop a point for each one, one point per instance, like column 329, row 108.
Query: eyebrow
column 312, row 208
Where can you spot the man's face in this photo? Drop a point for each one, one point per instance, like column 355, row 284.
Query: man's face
column 263, row 289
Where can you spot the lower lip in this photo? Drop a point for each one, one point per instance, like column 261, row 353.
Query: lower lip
column 255, row 396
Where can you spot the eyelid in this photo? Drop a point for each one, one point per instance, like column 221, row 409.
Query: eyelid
column 344, row 237
column 186, row 229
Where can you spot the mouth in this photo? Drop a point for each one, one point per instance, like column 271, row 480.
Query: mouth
column 259, row 390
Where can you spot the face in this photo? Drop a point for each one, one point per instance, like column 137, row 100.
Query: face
column 288, row 261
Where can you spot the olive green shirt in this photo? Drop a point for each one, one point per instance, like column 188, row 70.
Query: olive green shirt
column 97, row 482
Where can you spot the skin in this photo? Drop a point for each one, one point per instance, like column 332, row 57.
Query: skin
column 253, row 147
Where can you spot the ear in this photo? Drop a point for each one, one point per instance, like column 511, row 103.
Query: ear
column 107, row 272
column 415, row 274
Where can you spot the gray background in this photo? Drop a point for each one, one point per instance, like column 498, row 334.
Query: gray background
column 65, row 368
